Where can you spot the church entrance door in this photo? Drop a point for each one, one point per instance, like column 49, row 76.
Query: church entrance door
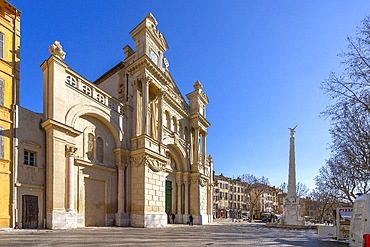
column 168, row 197
column 94, row 202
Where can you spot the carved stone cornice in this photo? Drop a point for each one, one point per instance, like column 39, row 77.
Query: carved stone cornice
column 154, row 164
column 51, row 124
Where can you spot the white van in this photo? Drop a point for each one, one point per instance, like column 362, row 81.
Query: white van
column 360, row 222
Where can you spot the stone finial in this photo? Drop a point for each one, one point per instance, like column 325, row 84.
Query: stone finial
column 197, row 85
column 57, row 50
column 150, row 16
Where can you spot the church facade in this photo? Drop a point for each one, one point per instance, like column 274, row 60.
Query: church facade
column 126, row 150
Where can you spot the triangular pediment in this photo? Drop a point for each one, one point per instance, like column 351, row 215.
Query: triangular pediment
column 173, row 86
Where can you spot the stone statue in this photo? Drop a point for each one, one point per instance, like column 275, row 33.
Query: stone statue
column 292, row 131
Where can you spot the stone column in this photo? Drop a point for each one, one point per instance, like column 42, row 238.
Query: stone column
column 204, row 150
column 160, row 116
column 70, row 152
column 121, row 216
column 136, row 111
column 186, row 183
column 191, row 134
column 145, row 106
column 178, row 183
column 121, row 189
column 196, row 146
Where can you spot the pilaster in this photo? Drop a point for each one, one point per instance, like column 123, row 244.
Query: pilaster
column 59, row 209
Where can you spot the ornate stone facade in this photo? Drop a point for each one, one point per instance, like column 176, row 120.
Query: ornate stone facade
column 126, row 150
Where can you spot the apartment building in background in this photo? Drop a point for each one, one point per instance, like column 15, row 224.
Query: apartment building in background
column 9, row 99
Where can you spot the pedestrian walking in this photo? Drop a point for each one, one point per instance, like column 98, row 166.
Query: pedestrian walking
column 190, row 220
column 173, row 218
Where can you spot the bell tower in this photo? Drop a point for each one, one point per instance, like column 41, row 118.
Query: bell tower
column 198, row 101
column 149, row 41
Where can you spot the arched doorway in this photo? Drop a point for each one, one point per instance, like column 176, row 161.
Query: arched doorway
column 177, row 186
column 97, row 173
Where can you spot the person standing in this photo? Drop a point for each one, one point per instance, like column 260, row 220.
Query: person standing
column 173, row 218
column 190, row 220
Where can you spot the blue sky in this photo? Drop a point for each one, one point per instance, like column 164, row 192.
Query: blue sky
column 260, row 62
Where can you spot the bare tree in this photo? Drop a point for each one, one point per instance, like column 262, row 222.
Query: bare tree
column 353, row 85
column 302, row 190
column 348, row 168
column 322, row 197
column 254, row 190
column 341, row 179
column 284, row 187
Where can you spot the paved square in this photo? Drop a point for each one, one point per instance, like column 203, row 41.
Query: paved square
column 216, row 234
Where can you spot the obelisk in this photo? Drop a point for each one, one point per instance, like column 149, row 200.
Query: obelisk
column 291, row 176
column 292, row 207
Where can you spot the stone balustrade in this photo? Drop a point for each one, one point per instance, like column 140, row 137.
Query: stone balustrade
column 94, row 92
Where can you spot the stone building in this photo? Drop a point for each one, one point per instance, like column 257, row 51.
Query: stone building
column 9, row 99
column 234, row 198
column 30, row 171
column 125, row 150
column 221, row 198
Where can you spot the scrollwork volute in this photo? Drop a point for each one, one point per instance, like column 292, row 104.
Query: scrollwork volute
column 70, row 151
column 137, row 161
column 155, row 165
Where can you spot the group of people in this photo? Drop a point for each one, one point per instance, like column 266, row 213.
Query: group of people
column 172, row 217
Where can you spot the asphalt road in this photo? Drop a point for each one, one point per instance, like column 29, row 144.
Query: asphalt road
column 216, row 234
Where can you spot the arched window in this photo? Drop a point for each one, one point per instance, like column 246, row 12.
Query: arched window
column 168, row 120
column 181, row 130
column 186, row 134
column 99, row 150
column 174, row 125
column 2, row 39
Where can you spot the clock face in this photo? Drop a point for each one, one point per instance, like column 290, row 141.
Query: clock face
column 153, row 56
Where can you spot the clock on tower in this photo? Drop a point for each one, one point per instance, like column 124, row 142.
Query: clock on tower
column 153, row 56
